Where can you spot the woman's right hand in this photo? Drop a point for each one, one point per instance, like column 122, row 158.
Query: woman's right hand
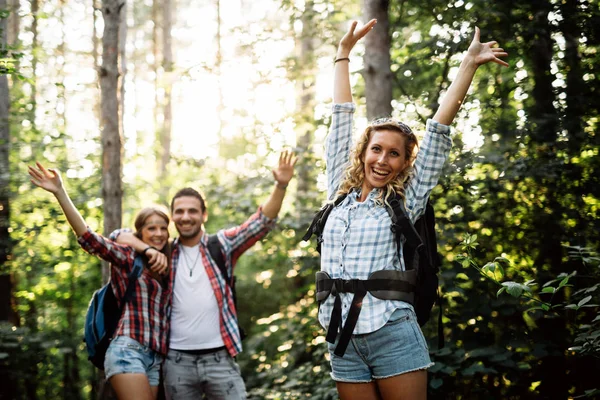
column 47, row 179
column 352, row 36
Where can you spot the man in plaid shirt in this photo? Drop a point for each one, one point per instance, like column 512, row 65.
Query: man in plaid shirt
column 205, row 337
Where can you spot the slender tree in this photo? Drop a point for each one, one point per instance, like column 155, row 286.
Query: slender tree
column 111, row 81
column 377, row 73
column 6, row 283
column 305, row 103
column 167, row 70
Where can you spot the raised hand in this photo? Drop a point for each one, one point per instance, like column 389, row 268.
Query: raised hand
column 47, row 179
column 352, row 36
column 484, row 53
column 285, row 170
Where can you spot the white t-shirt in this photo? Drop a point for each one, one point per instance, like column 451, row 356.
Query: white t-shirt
column 195, row 313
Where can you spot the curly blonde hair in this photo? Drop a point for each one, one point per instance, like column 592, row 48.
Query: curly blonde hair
column 355, row 172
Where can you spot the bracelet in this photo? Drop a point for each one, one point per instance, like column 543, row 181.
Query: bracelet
column 341, row 59
column 148, row 248
column 280, row 186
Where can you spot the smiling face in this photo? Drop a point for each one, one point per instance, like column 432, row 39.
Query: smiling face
column 188, row 216
column 155, row 231
column 384, row 159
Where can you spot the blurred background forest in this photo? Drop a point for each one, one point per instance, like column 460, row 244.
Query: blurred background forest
column 133, row 100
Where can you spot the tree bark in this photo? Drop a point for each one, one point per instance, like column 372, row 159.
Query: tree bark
column 545, row 123
column 167, row 67
column 377, row 72
column 111, row 123
column 305, row 94
column 6, row 284
column 14, row 22
column 111, row 81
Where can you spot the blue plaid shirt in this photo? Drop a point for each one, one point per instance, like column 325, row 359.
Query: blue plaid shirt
column 357, row 239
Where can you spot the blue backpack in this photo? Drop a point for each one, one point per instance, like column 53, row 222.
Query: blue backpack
column 103, row 315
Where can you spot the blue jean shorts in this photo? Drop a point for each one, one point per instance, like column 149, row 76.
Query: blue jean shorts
column 128, row 356
column 396, row 348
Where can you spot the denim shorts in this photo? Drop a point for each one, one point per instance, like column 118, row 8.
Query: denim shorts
column 127, row 356
column 396, row 348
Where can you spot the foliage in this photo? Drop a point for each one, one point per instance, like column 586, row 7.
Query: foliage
column 523, row 175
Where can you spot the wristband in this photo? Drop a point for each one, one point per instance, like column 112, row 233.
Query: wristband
column 341, row 59
column 280, row 186
column 148, row 248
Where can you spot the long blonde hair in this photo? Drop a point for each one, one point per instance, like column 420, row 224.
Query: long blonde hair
column 354, row 175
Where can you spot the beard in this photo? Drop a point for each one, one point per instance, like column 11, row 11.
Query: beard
column 189, row 234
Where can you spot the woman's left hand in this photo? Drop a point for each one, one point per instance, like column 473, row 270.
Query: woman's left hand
column 47, row 179
column 484, row 53
column 285, row 170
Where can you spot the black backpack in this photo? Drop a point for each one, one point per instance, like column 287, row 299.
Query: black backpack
column 420, row 254
column 216, row 252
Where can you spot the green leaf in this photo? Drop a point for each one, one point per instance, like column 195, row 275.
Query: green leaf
column 515, row 289
column 584, row 300
column 436, row 383
column 502, row 289
column 549, row 289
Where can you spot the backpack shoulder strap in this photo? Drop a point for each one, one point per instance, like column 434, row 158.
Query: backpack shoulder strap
column 318, row 223
column 216, row 252
column 136, row 271
column 402, row 226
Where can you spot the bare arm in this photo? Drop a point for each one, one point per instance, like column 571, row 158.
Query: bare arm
column 477, row 55
column 342, row 92
column 282, row 174
column 158, row 261
column 51, row 181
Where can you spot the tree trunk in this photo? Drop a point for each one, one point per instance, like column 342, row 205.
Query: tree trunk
column 165, row 132
column 34, row 62
column 377, row 72
column 111, row 107
column 305, row 94
column 13, row 22
column 6, row 285
column 111, row 81
column 545, row 123
column 7, row 306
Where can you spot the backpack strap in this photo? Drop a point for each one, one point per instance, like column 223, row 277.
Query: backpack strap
column 318, row 223
column 216, row 252
column 403, row 227
column 136, row 271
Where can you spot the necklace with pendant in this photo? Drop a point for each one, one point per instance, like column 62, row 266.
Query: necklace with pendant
column 188, row 259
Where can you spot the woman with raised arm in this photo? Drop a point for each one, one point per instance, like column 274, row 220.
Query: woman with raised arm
column 376, row 346
column 136, row 352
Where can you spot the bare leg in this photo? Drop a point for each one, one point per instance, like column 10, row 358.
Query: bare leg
column 154, row 390
column 357, row 391
column 132, row 387
column 409, row 386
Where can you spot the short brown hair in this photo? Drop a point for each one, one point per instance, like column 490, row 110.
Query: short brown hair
column 189, row 192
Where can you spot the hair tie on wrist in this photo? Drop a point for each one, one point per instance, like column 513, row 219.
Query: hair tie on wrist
column 341, row 59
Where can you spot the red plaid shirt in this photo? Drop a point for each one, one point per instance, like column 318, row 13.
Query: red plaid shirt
column 146, row 317
column 234, row 242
